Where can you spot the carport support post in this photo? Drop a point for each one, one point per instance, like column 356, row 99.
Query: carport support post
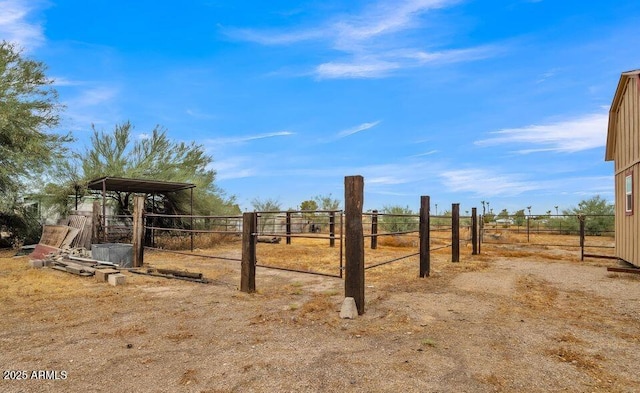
column 455, row 232
column 138, row 230
column 474, row 230
column 354, row 240
column 95, row 222
column 424, row 229
column 248, row 264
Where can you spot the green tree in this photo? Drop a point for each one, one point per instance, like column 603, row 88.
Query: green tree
column 396, row 218
column 504, row 214
column 28, row 109
column 265, row 206
column 327, row 202
column 519, row 217
column 309, row 205
column 598, row 213
column 157, row 158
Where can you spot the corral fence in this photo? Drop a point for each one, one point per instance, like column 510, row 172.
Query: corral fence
column 348, row 230
column 592, row 235
column 314, row 226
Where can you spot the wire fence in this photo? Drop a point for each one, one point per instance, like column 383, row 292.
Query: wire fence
column 593, row 235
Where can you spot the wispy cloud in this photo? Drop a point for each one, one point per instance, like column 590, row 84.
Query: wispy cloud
column 199, row 115
column 428, row 153
column 374, row 43
column 248, row 138
column 569, row 136
column 486, row 183
column 236, row 167
column 356, row 129
column 356, row 69
column 16, row 26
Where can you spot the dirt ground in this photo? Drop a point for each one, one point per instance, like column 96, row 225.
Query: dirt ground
column 505, row 321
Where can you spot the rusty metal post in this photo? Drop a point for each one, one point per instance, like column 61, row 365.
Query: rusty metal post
column 332, row 229
column 191, row 223
column 582, row 235
column 288, row 227
column 354, row 240
column 425, row 241
column 455, row 232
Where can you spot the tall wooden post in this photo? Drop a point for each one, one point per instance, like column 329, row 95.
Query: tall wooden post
column 425, row 241
column 138, row 230
column 474, row 230
column 248, row 264
column 288, row 227
column 332, row 229
column 354, row 240
column 455, row 232
column 374, row 230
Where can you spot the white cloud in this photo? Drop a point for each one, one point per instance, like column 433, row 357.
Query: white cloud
column 428, row 153
column 386, row 17
column 247, row 138
column 359, row 128
column 237, row 167
column 96, row 96
column 333, row 70
column 373, row 42
column 486, row 183
column 569, row 136
column 16, row 27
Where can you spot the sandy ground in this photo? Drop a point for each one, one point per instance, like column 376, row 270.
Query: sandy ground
column 491, row 323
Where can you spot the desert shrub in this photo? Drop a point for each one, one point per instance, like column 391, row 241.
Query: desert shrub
column 398, row 219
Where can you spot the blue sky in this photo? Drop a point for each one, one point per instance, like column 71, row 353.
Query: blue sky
column 502, row 101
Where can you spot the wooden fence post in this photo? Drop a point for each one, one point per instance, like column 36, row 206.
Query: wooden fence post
column 138, row 230
column 455, row 232
column 424, row 228
column 248, row 264
column 288, row 227
column 354, row 240
column 374, row 230
column 474, row 231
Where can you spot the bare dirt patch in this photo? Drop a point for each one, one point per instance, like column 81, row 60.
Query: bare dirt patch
column 498, row 322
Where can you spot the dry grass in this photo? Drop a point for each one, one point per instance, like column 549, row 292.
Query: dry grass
column 179, row 330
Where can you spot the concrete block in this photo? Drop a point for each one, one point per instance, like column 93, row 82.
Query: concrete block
column 116, row 279
column 349, row 309
column 36, row 263
column 74, row 270
column 103, row 274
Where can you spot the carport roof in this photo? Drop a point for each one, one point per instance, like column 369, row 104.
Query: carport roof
column 109, row 183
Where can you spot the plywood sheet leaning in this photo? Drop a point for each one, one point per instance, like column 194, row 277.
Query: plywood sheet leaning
column 71, row 236
column 54, row 235
column 80, row 223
